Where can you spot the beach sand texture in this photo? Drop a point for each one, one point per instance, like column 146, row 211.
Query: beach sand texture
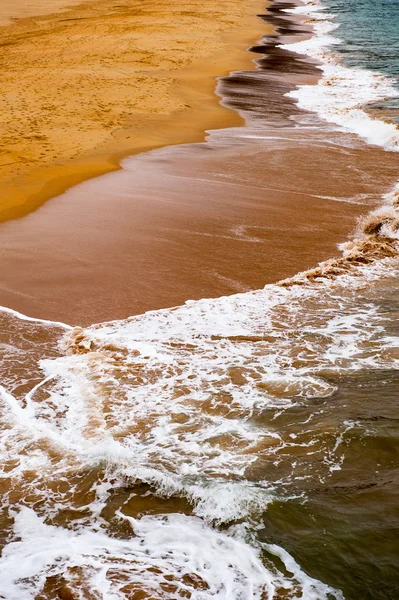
column 196, row 220
column 86, row 85
column 17, row 9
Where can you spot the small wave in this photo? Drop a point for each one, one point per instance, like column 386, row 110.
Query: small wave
column 377, row 239
column 342, row 93
column 173, row 556
column 195, row 377
column 22, row 317
column 174, row 399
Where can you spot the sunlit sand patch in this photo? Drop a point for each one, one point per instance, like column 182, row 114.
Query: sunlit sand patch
column 128, row 77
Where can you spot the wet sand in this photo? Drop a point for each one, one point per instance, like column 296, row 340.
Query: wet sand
column 96, row 81
column 250, row 206
column 190, row 222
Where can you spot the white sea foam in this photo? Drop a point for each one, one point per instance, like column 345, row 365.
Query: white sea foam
column 172, row 556
column 174, row 398
column 171, row 397
column 392, row 197
column 342, row 93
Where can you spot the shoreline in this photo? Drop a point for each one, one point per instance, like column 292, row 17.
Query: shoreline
column 203, row 219
column 178, row 106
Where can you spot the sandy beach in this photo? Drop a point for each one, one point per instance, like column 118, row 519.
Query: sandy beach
column 192, row 220
column 93, row 82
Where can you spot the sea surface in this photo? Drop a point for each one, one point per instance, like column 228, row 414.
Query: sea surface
column 369, row 33
column 243, row 447
column 370, row 39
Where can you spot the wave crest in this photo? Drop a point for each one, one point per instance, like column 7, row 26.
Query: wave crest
column 342, row 93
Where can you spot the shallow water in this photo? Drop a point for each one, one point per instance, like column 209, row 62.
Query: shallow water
column 257, row 416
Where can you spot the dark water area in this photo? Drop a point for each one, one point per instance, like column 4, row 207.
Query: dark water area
column 260, row 96
column 344, row 527
column 345, row 532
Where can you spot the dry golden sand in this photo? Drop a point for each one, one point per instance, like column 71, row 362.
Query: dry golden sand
column 86, row 85
column 15, row 9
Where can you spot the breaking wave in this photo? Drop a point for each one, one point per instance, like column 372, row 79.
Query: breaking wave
column 173, row 556
column 183, row 402
column 342, row 94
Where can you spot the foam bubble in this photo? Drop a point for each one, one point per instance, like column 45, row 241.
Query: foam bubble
column 342, row 93
column 176, row 399
column 172, row 556
column 171, row 398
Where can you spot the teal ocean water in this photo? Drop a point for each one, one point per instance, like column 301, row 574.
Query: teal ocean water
column 356, row 45
column 370, row 34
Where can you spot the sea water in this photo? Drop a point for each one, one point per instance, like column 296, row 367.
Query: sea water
column 369, row 31
column 359, row 67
